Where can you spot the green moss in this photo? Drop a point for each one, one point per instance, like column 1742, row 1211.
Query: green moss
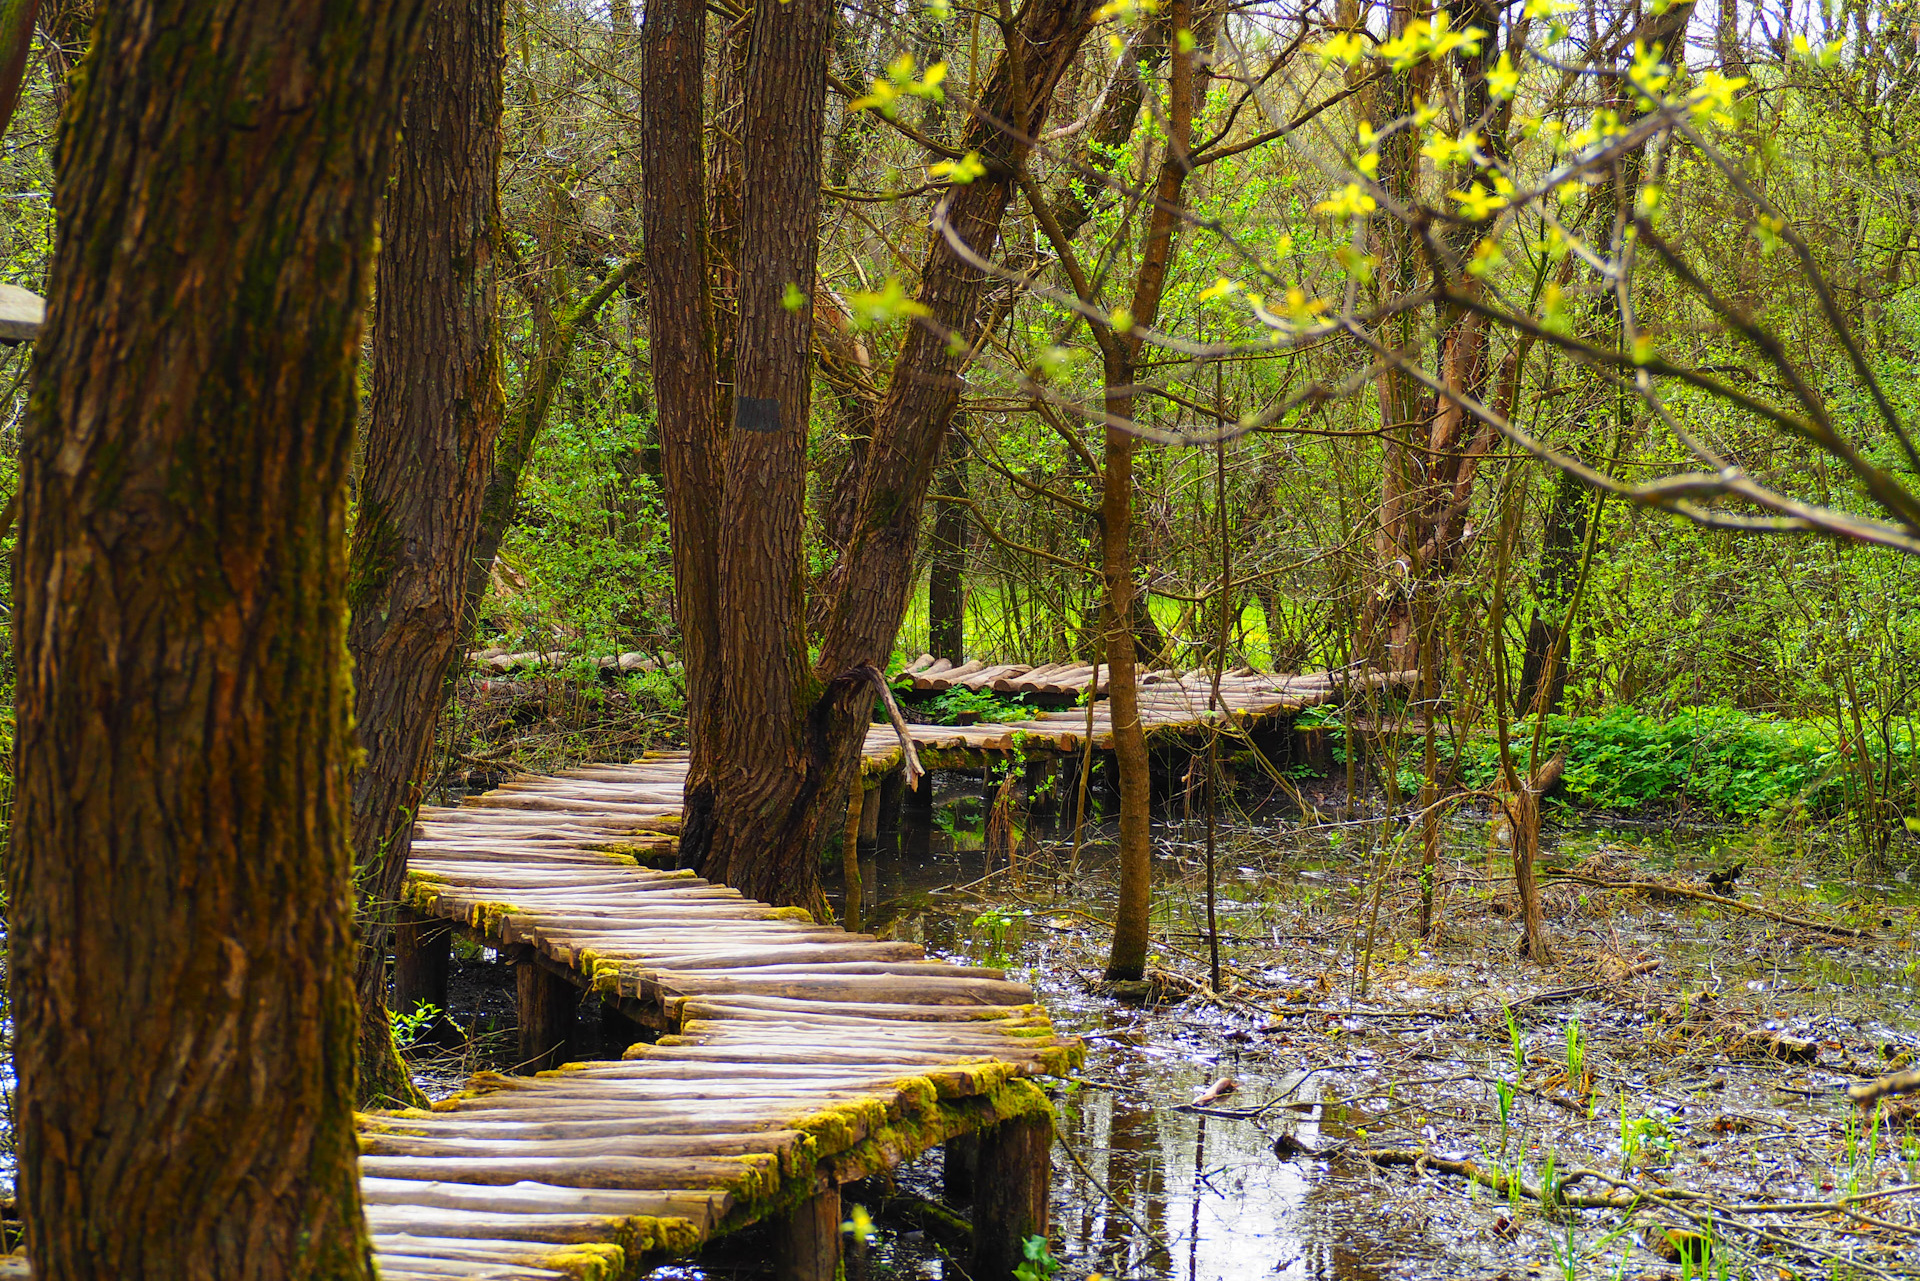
column 602, row 972
column 800, row 914
column 585, row 1262
column 625, row 853
column 882, row 764
column 486, row 917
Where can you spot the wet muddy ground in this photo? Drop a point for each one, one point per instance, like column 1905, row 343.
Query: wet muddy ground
column 1686, row 1061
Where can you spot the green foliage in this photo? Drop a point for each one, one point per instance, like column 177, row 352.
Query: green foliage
column 588, row 565
column 408, row 1029
column 950, row 707
column 1040, row 1264
column 994, row 925
column 1728, row 762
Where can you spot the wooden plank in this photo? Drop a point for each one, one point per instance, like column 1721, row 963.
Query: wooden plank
column 552, row 1229
column 23, row 314
column 576, row 1176
column 656, row 1145
column 780, row 1019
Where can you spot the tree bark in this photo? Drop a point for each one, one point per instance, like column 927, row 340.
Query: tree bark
column 1127, row 958
column 181, row 941
column 946, row 580
column 766, row 838
column 875, row 577
column 765, row 685
column 437, row 410
column 681, row 339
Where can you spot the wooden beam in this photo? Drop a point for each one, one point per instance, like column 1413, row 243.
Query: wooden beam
column 893, row 795
column 807, row 1239
column 548, row 1005
column 1010, row 1194
column 422, row 958
column 959, row 1158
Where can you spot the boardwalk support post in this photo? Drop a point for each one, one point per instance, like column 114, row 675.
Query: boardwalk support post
column 960, row 1157
column 1010, row 1194
column 422, row 956
column 919, row 801
column 870, row 818
column 807, row 1239
column 1043, row 796
column 893, row 795
column 548, row 1004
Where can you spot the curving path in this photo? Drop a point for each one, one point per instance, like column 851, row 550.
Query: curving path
column 798, row 1057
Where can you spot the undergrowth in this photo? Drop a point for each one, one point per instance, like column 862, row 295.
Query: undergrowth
column 1720, row 760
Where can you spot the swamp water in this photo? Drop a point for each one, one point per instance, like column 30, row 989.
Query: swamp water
column 1609, row 1061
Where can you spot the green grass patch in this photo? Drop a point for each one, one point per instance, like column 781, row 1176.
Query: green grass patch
column 1720, row 760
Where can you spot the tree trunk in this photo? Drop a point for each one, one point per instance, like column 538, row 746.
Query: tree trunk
column 946, row 582
column 1128, row 958
column 1543, row 670
column 181, row 941
column 765, row 686
column 436, row 414
column 64, row 25
column 874, row 578
column 681, row 340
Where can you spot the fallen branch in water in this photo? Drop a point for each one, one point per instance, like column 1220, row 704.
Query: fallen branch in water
column 1707, row 896
column 1870, row 1092
column 1623, row 1196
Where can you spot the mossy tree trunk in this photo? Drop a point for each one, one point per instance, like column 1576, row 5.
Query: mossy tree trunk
column 875, row 575
column 681, row 342
column 181, row 942
column 437, row 410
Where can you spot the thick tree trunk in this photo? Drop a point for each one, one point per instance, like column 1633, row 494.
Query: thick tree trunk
column 437, row 410
column 181, row 938
column 875, row 576
column 765, row 686
column 946, row 579
column 680, row 333
column 807, row 751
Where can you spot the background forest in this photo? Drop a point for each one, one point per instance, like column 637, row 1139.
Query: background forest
column 1292, row 499
column 1556, row 363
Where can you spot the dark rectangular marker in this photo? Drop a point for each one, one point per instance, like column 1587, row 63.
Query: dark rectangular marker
column 756, row 413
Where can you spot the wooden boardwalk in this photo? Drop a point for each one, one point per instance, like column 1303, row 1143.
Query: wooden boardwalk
column 1171, row 702
column 797, row 1057
column 791, row 1059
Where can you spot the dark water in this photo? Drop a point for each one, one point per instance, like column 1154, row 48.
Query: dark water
column 1152, row 1191
column 1146, row 1189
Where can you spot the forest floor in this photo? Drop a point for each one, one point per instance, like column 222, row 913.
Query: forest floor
column 1690, row 1057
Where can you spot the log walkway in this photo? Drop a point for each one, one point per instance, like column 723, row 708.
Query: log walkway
column 795, row 1057
column 787, row 1058
column 1171, row 702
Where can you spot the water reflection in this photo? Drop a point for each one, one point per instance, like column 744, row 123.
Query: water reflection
column 1147, row 1190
